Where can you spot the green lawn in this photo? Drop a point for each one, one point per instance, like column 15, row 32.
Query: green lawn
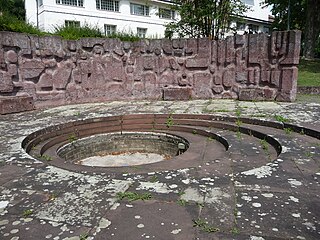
column 309, row 73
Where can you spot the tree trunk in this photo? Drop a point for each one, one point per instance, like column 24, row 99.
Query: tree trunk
column 312, row 28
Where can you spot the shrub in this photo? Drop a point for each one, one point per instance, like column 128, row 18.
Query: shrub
column 125, row 36
column 13, row 24
column 75, row 32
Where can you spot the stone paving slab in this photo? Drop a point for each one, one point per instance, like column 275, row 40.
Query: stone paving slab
column 239, row 195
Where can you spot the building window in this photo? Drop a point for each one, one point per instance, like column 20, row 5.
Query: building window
column 253, row 28
column 248, row 2
column 110, row 29
column 166, row 13
column 266, row 29
column 241, row 26
column 137, row 9
column 77, row 3
column 108, row 5
column 142, row 32
column 70, row 23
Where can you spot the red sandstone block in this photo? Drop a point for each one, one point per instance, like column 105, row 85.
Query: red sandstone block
column 289, row 79
column 15, row 104
column 258, row 94
column 184, row 93
column 293, row 52
column 197, row 62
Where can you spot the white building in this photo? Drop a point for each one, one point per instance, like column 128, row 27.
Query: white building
column 142, row 17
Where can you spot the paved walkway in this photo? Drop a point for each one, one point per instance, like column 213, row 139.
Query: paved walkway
column 239, row 194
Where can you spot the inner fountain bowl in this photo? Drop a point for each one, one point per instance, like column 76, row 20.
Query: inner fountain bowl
column 123, row 149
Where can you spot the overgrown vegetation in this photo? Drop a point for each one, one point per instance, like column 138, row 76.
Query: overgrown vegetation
column 74, row 32
column 14, row 24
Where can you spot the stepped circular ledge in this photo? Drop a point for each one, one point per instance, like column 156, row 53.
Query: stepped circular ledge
column 156, row 141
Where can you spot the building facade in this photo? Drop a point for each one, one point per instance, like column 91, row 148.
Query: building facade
column 146, row 18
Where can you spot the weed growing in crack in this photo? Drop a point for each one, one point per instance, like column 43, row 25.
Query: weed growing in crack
column 84, row 236
column 238, row 112
column 53, row 196
column 204, row 226
column 200, row 204
column 169, row 122
column 222, row 110
column 239, row 135
column 235, row 231
column 46, row 157
column 280, row 118
column 194, row 131
column 154, row 179
column 27, row 213
column 72, row 138
column 133, row 196
column 288, row 130
column 265, row 147
column 180, row 193
column 182, row 202
column 238, row 123
column 210, row 139
column 309, row 154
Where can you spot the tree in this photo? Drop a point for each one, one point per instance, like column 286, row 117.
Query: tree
column 205, row 18
column 280, row 10
column 312, row 29
column 13, row 8
column 303, row 15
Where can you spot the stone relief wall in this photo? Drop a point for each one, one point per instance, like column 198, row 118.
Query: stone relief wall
column 54, row 71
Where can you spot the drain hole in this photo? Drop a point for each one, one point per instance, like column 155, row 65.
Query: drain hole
column 126, row 149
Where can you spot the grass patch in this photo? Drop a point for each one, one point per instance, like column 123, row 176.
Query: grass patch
column 46, row 158
column 315, row 98
column 204, row 226
column 280, row 118
column 27, row 213
column 132, row 196
column 309, row 73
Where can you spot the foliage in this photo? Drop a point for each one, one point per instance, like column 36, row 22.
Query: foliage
column 125, row 36
column 13, row 7
column 72, row 32
column 205, row 18
column 280, row 12
column 13, row 24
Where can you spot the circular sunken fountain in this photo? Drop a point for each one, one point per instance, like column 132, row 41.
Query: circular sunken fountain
column 123, row 149
column 159, row 142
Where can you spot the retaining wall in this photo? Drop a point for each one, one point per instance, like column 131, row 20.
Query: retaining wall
column 54, row 71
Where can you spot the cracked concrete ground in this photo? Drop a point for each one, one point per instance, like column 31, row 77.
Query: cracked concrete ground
column 240, row 195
